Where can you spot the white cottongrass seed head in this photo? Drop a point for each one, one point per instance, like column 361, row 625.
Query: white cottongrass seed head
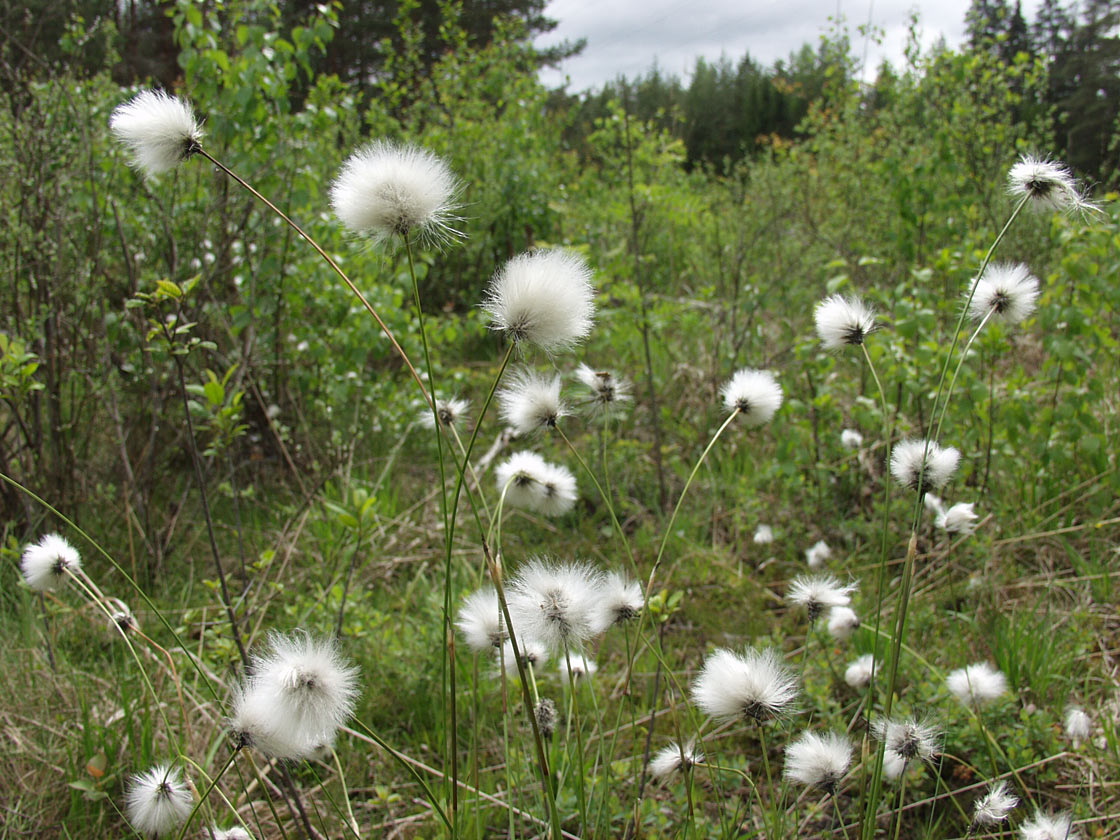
column 158, row 801
column 1005, row 292
column 817, row 593
column 386, row 189
column 1047, row 184
column 817, row 553
column 755, row 685
column 763, row 535
column 851, row 439
column 754, row 394
column 44, row 564
column 235, row 833
column 480, row 620
column 159, row 130
column 842, row 622
column 533, row 652
column 1045, row 826
column 958, row 519
column 933, row 504
column 994, row 806
column 818, row 761
column 620, row 600
column 1078, row 725
column 531, row 402
column 607, row 394
column 923, row 464
column 909, row 739
column 556, row 490
column 673, row 757
column 296, row 696
column 555, row 603
column 843, row 321
column 451, row 412
column 977, row 683
column 544, row 297
column 893, row 766
column 859, row 673
column 581, row 667
column 532, row 483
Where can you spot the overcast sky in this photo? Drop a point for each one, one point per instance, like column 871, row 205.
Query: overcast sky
column 625, row 36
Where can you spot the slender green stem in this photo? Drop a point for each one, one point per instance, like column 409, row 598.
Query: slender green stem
column 210, row 787
column 346, row 795
column 578, row 724
column 957, row 370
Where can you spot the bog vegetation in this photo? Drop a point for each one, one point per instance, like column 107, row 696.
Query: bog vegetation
column 393, row 447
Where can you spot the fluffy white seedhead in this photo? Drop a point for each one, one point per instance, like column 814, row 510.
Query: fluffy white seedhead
column 817, row 553
column 235, row 833
column 1005, row 292
column 533, row 483
column 763, row 535
column 842, row 622
column 159, row 130
column 607, row 395
column 909, row 739
column 818, row 761
column 581, row 667
column 994, row 806
column 556, row 491
column 620, row 600
column 959, row 519
column 933, row 504
column 893, row 766
column 977, row 683
column 1077, row 724
column 555, row 603
column 44, row 564
column 386, row 190
column 544, row 297
column 158, row 801
column 755, row 394
column 916, row 468
column 531, row 402
column 480, row 620
column 451, row 412
column 674, row 757
column 297, row 695
column 817, row 593
column 859, row 673
column 1049, row 827
column 1048, row 185
column 533, row 652
column 755, row 685
column 842, row 322
column 851, row 439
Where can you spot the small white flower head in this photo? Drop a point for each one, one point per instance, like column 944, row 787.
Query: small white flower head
column 555, row 603
column 816, row 593
column 531, row 403
column 754, row 394
column 532, row 483
column 859, row 673
column 851, row 439
column 842, row 622
column 1048, row 185
column 933, row 504
column 977, row 683
column 581, row 667
column 544, row 297
column 1049, row 827
column 755, row 685
column 817, row 553
column 556, row 490
column 842, row 322
column 159, row 130
column 894, row 766
column 480, row 620
column 620, row 600
column 673, row 757
column 818, row 761
column 1077, row 724
column 916, row 468
column 386, row 190
column 763, row 535
column 158, row 801
column 451, row 412
column 235, row 833
column 959, row 519
column 546, row 715
column 297, row 695
column 44, row 564
column 909, row 739
column 994, row 806
column 607, row 395
column 1006, row 292
column 533, row 652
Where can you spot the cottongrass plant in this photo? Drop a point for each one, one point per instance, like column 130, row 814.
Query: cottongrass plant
column 922, row 465
column 819, row 761
column 755, row 685
column 158, row 801
column 819, row 593
column 160, row 131
column 843, row 321
column 673, row 758
column 754, row 395
column 1043, row 826
column 842, row 622
column 531, row 402
column 607, row 395
column 958, row 519
column 48, row 562
column 993, row 808
column 859, row 673
column 977, row 684
column 1006, row 292
column 817, row 554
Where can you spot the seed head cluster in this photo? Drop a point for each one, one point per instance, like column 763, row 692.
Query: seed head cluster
column 755, row 685
column 843, row 322
column 46, row 563
column 818, row 761
column 1004, row 292
column 159, row 130
column 158, row 801
column 754, row 394
column 923, row 465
